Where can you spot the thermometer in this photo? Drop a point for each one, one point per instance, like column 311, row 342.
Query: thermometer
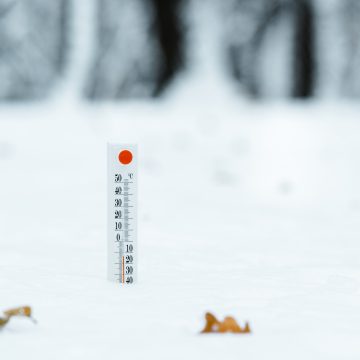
column 122, row 213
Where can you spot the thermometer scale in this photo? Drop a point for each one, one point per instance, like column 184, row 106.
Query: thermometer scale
column 122, row 213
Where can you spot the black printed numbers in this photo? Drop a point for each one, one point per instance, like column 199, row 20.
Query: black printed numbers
column 128, row 270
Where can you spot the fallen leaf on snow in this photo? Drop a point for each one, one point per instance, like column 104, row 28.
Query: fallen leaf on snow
column 229, row 324
column 19, row 311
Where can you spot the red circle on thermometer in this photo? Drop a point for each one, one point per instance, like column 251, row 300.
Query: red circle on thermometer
column 125, row 157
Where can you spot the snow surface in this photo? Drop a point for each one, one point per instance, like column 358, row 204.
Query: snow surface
column 245, row 209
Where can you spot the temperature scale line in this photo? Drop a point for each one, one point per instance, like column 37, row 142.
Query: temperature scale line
column 122, row 270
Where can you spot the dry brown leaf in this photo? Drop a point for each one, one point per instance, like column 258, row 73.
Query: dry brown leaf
column 19, row 311
column 229, row 324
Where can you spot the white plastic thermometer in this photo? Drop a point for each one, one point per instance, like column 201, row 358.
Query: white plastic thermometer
column 122, row 216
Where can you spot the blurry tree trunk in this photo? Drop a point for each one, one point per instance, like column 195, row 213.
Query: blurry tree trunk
column 338, row 48
column 33, row 46
column 304, row 65
column 63, row 33
column 270, row 46
column 330, row 49
column 170, row 33
column 138, row 48
column 126, row 53
column 351, row 20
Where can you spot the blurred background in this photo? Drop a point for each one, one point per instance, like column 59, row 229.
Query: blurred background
column 117, row 49
column 246, row 114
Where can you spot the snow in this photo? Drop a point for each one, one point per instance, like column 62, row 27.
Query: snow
column 245, row 209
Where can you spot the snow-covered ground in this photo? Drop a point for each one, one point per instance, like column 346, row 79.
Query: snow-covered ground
column 252, row 211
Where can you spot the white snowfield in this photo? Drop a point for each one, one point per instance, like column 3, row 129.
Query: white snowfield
column 244, row 210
